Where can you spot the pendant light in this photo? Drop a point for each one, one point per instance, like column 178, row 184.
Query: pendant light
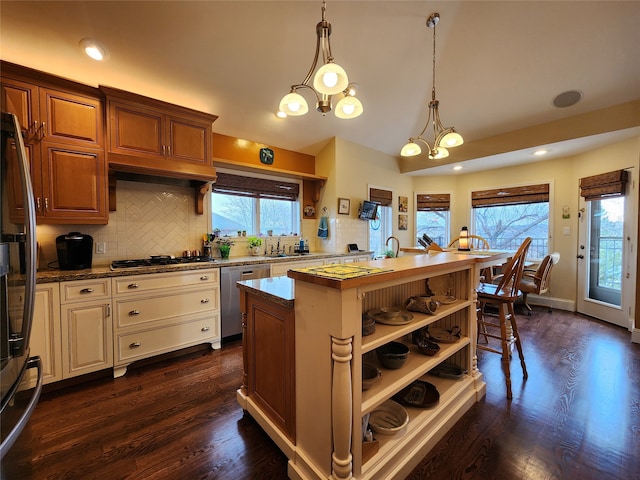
column 443, row 137
column 330, row 79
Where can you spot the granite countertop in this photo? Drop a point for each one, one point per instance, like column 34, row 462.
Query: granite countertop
column 279, row 290
column 52, row 275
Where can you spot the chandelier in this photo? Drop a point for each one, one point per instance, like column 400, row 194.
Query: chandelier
column 329, row 80
column 443, row 138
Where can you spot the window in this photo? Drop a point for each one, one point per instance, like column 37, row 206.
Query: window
column 381, row 228
column 506, row 216
column 432, row 216
column 254, row 205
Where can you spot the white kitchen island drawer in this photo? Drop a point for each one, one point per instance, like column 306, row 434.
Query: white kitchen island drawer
column 154, row 341
column 134, row 284
column 167, row 306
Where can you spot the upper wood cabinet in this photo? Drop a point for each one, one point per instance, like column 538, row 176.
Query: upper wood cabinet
column 142, row 131
column 63, row 135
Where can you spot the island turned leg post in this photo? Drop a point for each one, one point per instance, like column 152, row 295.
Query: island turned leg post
column 341, row 414
column 245, row 378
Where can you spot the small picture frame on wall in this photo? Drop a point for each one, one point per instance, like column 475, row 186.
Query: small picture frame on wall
column 403, row 204
column 403, row 222
column 344, row 206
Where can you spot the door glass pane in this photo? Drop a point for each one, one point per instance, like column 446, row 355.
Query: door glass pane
column 606, row 244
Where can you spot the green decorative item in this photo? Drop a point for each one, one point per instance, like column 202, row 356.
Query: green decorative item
column 224, row 246
column 254, row 244
column 266, row 156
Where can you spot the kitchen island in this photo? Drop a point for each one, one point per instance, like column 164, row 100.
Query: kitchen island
column 320, row 404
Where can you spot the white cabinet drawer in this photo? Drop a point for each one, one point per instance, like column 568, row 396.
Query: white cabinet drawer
column 145, row 343
column 157, row 281
column 278, row 269
column 137, row 311
column 82, row 290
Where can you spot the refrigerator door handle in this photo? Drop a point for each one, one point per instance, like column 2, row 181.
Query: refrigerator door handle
column 10, row 439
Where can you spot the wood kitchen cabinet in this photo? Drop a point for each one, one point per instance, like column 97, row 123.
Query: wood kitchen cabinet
column 145, row 132
column 269, row 338
column 63, row 135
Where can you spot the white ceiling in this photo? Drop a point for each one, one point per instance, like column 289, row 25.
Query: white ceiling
column 499, row 66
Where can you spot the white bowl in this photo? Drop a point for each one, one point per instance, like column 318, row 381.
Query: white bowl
column 388, row 418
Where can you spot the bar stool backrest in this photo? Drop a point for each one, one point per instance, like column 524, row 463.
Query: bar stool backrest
column 508, row 286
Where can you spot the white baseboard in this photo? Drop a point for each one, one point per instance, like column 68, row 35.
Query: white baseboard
column 553, row 302
column 635, row 335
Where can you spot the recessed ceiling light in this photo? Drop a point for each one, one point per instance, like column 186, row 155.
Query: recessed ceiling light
column 93, row 49
column 567, row 99
column 458, row 167
column 539, row 153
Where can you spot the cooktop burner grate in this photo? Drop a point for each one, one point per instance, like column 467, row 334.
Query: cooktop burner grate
column 157, row 260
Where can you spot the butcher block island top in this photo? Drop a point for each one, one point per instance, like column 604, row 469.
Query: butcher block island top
column 303, row 379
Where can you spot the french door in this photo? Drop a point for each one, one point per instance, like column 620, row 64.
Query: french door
column 606, row 257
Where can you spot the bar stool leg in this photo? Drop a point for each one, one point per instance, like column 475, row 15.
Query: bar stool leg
column 516, row 334
column 503, row 309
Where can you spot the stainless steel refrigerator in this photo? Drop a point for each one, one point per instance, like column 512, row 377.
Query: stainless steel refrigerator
column 17, row 285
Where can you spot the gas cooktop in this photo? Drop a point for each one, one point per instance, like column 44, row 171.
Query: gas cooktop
column 156, row 260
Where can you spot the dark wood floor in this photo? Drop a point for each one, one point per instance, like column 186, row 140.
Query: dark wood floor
column 576, row 417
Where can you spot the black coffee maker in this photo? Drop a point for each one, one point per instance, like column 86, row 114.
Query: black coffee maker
column 75, row 251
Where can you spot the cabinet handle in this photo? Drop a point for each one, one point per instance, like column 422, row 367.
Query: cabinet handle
column 164, row 150
column 38, row 204
column 46, row 204
column 86, row 290
column 134, row 345
column 133, row 313
column 107, row 310
column 132, row 286
column 168, row 150
column 205, row 329
column 204, row 278
column 42, row 130
column 204, row 300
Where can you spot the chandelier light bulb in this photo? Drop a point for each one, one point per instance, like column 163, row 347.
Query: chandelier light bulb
column 294, row 104
column 452, row 139
column 330, row 79
column 349, row 107
column 411, row 149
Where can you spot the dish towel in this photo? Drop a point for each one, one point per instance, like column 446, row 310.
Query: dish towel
column 323, row 228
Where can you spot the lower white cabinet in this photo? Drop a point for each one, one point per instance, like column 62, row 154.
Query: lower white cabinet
column 162, row 312
column 281, row 268
column 87, row 327
column 45, row 332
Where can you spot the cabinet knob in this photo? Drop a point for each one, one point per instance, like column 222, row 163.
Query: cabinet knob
column 204, row 278
column 133, row 313
column 86, row 290
column 132, row 286
column 205, row 329
column 204, row 300
column 134, row 345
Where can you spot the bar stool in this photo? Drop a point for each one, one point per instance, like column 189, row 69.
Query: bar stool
column 503, row 296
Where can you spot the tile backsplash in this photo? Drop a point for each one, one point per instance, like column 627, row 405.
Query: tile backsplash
column 150, row 219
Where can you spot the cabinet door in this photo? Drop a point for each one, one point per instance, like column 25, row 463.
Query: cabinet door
column 74, row 185
column 14, row 187
column 189, row 140
column 135, row 130
column 70, row 119
column 87, row 337
column 21, row 99
column 46, row 336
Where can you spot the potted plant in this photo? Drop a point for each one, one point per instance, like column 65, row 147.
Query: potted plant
column 216, row 232
column 389, row 253
column 224, row 246
column 254, row 244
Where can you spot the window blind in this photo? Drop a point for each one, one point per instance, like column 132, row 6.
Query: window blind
column 381, row 197
column 255, row 187
column 510, row 196
column 605, row 185
column 433, row 202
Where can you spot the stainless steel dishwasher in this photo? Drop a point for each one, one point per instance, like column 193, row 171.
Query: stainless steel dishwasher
column 230, row 317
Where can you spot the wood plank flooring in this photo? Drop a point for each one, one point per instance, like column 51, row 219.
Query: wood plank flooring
column 576, row 417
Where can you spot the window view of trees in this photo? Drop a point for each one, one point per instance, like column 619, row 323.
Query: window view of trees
column 233, row 213
column 506, row 226
column 380, row 230
column 435, row 225
column 607, row 246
